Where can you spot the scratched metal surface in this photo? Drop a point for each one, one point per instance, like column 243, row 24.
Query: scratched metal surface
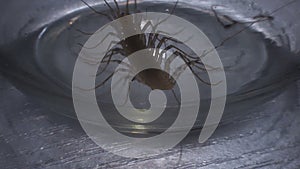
column 33, row 137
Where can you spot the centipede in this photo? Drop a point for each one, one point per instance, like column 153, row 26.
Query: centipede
column 154, row 78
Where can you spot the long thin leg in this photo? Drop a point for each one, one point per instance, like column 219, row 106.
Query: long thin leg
column 231, row 37
column 111, row 9
column 146, row 26
column 113, row 61
column 159, row 22
column 176, row 98
column 84, row 33
column 109, row 77
column 106, row 36
column 206, row 67
column 168, row 62
column 118, row 8
column 159, row 55
column 112, row 43
column 174, row 7
column 135, row 6
column 171, row 13
column 97, row 12
column 109, row 56
column 127, row 95
column 127, row 7
column 180, row 157
column 180, row 50
column 152, row 38
column 95, row 61
column 119, row 62
column 287, row 4
column 186, row 60
column 258, row 18
column 196, row 63
column 225, row 17
column 179, row 70
column 106, row 79
column 129, row 75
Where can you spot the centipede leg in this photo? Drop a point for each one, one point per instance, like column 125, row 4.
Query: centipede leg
column 130, row 75
column 109, row 56
column 180, row 50
column 151, row 43
column 174, row 7
column 226, row 26
column 171, row 13
column 118, row 8
column 120, row 62
column 94, row 60
column 152, row 38
column 106, row 36
column 187, row 62
column 111, row 44
column 207, row 67
column 175, row 96
column 179, row 70
column 112, row 12
column 163, row 20
column 97, row 12
column 147, row 25
column 110, row 76
column 127, row 7
column 135, row 6
column 195, row 62
column 84, row 33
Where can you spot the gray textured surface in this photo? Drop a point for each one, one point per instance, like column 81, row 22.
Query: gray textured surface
column 34, row 137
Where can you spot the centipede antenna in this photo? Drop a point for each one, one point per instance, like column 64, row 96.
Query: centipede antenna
column 287, row 4
column 117, row 6
column 220, row 21
column 97, row 12
column 251, row 23
column 232, row 36
column 110, row 8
